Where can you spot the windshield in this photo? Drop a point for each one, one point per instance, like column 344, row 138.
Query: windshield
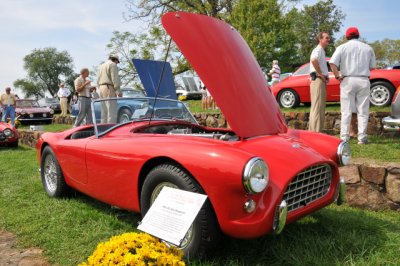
column 108, row 113
column 132, row 93
column 27, row 103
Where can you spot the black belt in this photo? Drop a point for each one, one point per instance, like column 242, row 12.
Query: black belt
column 85, row 97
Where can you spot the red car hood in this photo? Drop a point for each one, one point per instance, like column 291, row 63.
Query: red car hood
column 228, row 68
column 5, row 125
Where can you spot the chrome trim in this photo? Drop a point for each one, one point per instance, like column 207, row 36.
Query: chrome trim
column 308, row 186
column 246, row 178
column 340, row 155
column 280, row 217
column 390, row 121
column 391, row 128
column 342, row 192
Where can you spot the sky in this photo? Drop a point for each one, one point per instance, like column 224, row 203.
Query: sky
column 83, row 28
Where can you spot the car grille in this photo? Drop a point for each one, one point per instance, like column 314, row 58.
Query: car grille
column 311, row 184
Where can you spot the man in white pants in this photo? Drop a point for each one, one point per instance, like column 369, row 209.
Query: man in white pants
column 355, row 59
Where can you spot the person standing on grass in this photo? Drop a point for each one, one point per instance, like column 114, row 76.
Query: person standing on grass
column 355, row 60
column 275, row 72
column 8, row 102
column 63, row 93
column 83, row 87
column 319, row 78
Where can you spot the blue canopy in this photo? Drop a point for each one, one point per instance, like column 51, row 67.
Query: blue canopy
column 150, row 72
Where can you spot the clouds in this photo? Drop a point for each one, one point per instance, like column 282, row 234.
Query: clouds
column 82, row 28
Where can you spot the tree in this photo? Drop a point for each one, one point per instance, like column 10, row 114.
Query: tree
column 46, row 68
column 152, row 10
column 387, row 52
column 307, row 23
column 265, row 29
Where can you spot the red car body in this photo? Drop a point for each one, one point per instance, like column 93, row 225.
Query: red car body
column 296, row 89
column 113, row 167
column 29, row 111
column 8, row 135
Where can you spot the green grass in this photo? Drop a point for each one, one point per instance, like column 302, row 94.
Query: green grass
column 68, row 230
column 379, row 149
column 48, row 127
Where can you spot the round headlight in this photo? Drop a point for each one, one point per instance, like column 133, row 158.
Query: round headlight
column 344, row 153
column 51, row 111
column 8, row 132
column 255, row 175
column 44, row 115
column 31, row 115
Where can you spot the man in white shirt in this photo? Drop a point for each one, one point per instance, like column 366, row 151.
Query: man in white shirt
column 275, row 72
column 355, row 60
column 63, row 93
column 319, row 77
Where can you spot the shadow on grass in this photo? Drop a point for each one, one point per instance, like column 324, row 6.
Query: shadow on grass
column 330, row 236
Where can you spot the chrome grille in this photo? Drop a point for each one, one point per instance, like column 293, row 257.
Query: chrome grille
column 308, row 186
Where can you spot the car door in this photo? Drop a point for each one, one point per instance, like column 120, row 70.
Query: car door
column 332, row 87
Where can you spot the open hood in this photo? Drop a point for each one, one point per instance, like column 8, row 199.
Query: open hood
column 229, row 70
column 150, row 71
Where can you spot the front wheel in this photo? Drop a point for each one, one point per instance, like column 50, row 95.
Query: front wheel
column 288, row 98
column 204, row 234
column 381, row 93
column 52, row 176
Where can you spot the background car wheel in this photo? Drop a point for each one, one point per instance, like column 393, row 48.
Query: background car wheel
column 204, row 234
column 381, row 93
column 52, row 177
column 124, row 115
column 288, row 99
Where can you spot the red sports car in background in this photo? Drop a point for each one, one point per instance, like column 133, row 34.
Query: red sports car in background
column 296, row 89
column 8, row 135
column 258, row 175
column 28, row 111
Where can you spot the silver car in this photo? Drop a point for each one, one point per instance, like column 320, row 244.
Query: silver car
column 392, row 122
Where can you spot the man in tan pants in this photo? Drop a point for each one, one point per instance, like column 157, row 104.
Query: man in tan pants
column 110, row 83
column 319, row 77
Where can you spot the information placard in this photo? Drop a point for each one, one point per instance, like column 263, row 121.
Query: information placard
column 172, row 214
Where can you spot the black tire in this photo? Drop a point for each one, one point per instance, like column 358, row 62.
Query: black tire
column 124, row 115
column 381, row 93
column 288, row 98
column 52, row 177
column 204, row 234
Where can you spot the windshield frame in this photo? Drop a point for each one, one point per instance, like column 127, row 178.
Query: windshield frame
column 96, row 125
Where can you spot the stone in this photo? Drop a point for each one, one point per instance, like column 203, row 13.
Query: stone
column 373, row 174
column 395, row 170
column 211, row 121
column 366, row 196
column 393, row 187
column 350, row 174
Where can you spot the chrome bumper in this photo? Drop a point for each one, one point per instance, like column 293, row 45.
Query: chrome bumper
column 391, row 124
column 280, row 217
column 341, row 192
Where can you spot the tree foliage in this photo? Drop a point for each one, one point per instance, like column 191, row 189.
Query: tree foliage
column 46, row 68
column 308, row 22
column 266, row 30
column 387, row 52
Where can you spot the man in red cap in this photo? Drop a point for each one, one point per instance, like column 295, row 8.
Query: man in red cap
column 355, row 59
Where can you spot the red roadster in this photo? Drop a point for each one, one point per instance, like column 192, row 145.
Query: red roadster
column 258, row 175
column 296, row 89
column 8, row 135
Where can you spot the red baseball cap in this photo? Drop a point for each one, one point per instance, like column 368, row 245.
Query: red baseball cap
column 352, row 32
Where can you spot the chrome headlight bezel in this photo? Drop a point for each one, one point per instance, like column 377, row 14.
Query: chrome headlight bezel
column 51, row 111
column 255, row 176
column 8, row 133
column 344, row 153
